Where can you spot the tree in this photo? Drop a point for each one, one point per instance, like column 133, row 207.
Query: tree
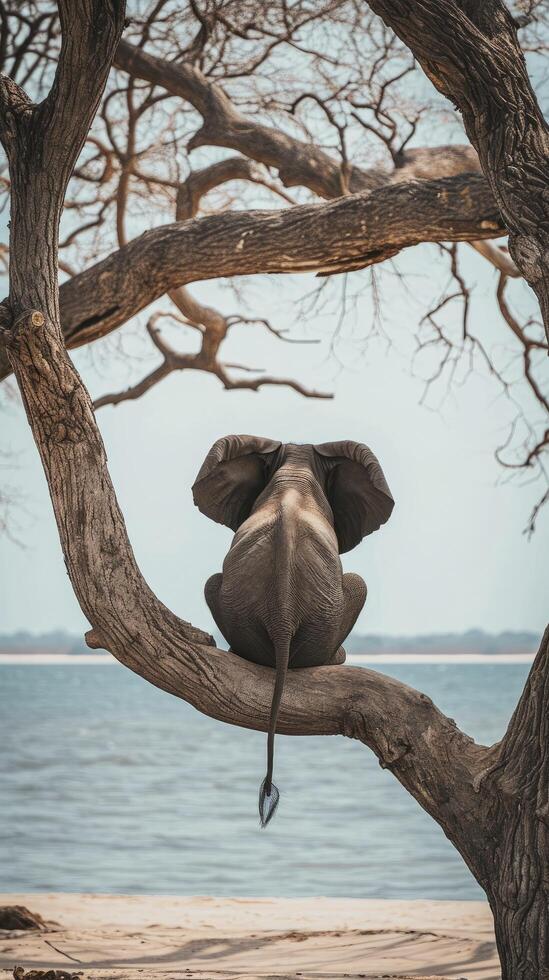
column 492, row 802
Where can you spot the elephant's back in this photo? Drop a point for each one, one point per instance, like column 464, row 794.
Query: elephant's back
column 283, row 574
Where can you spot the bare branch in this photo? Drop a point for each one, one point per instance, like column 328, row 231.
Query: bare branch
column 298, row 163
column 215, row 328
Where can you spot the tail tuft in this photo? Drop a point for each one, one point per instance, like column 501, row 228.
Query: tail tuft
column 268, row 802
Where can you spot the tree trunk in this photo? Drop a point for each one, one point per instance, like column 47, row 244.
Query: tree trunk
column 521, row 930
column 517, row 871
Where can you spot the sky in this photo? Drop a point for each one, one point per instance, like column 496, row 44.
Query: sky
column 453, row 555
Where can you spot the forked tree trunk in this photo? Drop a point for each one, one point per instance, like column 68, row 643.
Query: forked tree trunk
column 491, row 802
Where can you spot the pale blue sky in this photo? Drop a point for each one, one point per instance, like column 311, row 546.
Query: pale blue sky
column 451, row 558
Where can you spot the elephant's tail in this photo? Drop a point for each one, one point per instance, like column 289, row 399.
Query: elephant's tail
column 268, row 792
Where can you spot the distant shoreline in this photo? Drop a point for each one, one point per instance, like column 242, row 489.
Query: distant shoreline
column 353, row 658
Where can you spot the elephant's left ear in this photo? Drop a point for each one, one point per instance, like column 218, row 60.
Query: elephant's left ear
column 234, row 473
column 356, row 489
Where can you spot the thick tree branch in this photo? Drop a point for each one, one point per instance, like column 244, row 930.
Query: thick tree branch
column 471, row 53
column 349, row 233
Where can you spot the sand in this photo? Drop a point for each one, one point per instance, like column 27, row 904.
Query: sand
column 131, row 937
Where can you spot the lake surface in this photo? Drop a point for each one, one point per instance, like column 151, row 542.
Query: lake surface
column 109, row 785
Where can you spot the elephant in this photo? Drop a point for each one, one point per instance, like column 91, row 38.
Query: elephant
column 282, row 599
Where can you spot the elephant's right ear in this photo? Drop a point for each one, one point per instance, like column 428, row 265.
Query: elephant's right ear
column 357, row 491
column 235, row 471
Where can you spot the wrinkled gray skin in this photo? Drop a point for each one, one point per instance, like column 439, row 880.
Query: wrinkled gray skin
column 282, row 599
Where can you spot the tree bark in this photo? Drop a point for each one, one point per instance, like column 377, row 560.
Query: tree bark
column 471, row 53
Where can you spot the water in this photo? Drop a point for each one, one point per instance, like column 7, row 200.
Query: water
column 109, row 785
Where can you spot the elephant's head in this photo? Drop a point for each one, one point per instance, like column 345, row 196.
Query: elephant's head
column 240, row 469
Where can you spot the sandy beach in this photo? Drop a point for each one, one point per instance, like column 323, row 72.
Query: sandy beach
column 194, row 938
